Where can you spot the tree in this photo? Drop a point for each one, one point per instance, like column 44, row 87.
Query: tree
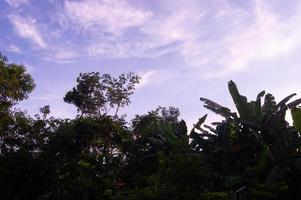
column 85, row 155
column 97, row 95
column 156, row 158
column 15, row 83
column 23, row 175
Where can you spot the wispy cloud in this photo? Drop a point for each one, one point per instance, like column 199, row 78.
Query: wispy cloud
column 220, row 36
column 259, row 33
column 152, row 77
column 16, row 3
column 27, row 28
column 60, row 54
column 112, row 29
column 178, row 22
column 124, row 30
column 114, row 16
column 13, row 48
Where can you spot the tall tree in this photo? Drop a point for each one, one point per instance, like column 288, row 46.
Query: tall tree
column 97, row 95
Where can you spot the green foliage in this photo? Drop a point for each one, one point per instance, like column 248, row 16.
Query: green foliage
column 258, row 147
column 251, row 154
column 96, row 95
column 296, row 115
column 216, row 196
column 15, row 83
column 87, row 96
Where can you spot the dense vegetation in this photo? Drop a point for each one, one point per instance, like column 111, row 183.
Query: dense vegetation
column 253, row 153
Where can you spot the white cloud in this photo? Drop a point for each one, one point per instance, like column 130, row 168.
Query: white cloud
column 121, row 29
column 111, row 29
column 13, row 48
column 59, row 54
column 114, row 16
column 219, row 34
column 258, row 33
column 266, row 38
column 152, row 77
column 124, row 49
column 27, row 28
column 16, row 3
column 179, row 23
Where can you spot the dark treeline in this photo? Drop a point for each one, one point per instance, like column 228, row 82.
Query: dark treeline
column 253, row 153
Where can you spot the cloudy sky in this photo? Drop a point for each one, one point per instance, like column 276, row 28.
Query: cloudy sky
column 182, row 49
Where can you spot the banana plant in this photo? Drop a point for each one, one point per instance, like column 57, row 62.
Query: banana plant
column 259, row 135
column 248, row 111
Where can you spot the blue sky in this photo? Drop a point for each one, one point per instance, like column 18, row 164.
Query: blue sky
column 182, row 49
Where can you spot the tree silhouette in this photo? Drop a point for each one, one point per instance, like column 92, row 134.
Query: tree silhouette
column 97, row 95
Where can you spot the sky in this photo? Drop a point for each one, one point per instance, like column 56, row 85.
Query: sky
column 182, row 49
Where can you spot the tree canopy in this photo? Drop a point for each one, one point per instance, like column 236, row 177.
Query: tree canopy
column 15, row 83
column 97, row 95
column 252, row 153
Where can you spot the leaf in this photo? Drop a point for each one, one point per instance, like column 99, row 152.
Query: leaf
column 210, row 128
column 257, row 106
column 216, row 108
column 84, row 164
column 225, row 133
column 269, row 105
column 262, row 161
column 296, row 115
column 294, row 103
column 277, row 173
column 234, row 180
column 200, row 122
column 291, row 105
column 240, row 101
column 285, row 100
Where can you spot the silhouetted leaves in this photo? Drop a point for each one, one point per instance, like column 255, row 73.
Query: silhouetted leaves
column 251, row 154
